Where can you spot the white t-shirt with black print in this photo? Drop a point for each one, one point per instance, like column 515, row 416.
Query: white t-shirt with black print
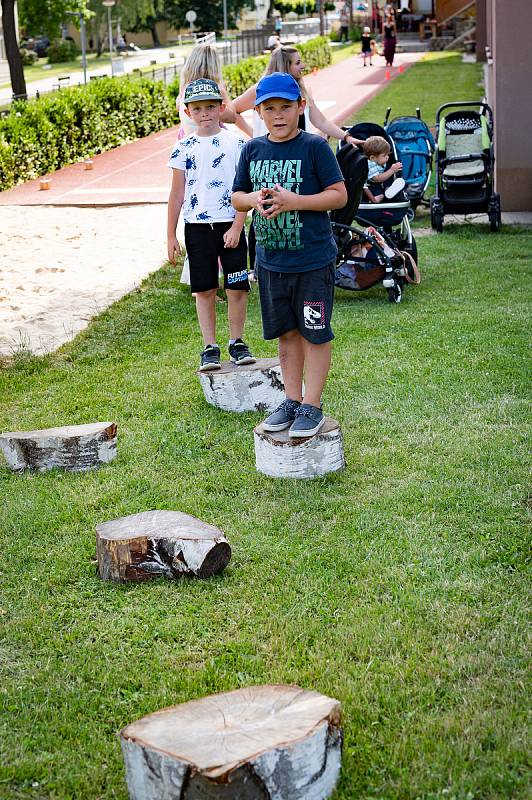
column 209, row 164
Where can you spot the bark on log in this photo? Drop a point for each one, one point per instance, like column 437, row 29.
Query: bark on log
column 159, row 543
column 257, row 743
column 73, row 447
column 251, row 387
column 279, row 456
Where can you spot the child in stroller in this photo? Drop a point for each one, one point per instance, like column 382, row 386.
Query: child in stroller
column 379, row 252
column 414, row 145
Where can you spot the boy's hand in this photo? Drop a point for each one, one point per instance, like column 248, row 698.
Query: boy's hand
column 397, row 167
column 174, row 249
column 232, row 236
column 278, row 200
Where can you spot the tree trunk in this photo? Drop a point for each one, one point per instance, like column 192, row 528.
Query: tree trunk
column 279, row 456
column 16, row 68
column 257, row 743
column 75, row 447
column 154, row 34
column 251, row 387
column 322, row 16
column 159, row 543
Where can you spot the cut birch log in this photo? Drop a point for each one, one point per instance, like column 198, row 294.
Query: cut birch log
column 155, row 543
column 73, row 447
column 257, row 743
column 279, row 456
column 251, row 387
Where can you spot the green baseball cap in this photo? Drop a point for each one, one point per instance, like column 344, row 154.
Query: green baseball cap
column 202, row 89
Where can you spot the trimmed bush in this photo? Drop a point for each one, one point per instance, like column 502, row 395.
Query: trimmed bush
column 316, row 53
column 61, row 51
column 29, row 57
column 40, row 136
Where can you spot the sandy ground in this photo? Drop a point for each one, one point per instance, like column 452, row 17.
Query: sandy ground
column 61, row 266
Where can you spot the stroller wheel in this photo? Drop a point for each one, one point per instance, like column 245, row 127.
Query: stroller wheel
column 411, row 213
column 395, row 294
column 494, row 213
column 436, row 215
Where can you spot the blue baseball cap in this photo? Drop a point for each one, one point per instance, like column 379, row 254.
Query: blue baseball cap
column 278, row 84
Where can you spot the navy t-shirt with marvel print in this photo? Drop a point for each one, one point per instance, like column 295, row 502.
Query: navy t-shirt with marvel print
column 295, row 241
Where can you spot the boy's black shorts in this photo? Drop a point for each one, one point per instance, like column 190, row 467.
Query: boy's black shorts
column 297, row 300
column 205, row 244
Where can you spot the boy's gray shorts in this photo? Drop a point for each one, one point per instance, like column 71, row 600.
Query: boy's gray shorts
column 297, row 300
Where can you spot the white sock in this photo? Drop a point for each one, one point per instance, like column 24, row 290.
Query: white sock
column 232, row 341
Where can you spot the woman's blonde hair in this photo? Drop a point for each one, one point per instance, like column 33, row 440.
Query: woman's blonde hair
column 202, row 62
column 281, row 61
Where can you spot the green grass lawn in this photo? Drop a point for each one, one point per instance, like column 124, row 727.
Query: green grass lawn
column 399, row 586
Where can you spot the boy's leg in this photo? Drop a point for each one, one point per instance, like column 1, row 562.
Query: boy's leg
column 291, row 357
column 317, row 365
column 237, row 304
column 206, row 310
column 203, row 259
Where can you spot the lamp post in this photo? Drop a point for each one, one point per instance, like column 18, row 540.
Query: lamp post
column 225, row 19
column 109, row 4
column 81, row 18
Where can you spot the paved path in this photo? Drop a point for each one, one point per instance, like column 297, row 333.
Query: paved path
column 137, row 172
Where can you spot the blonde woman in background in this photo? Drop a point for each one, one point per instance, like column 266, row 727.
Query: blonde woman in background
column 203, row 62
column 288, row 59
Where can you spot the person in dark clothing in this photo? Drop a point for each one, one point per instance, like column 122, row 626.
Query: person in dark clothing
column 389, row 39
column 366, row 46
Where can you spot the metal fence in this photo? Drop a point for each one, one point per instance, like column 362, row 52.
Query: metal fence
column 231, row 51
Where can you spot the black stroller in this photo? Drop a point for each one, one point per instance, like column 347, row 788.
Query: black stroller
column 414, row 146
column 465, row 164
column 383, row 250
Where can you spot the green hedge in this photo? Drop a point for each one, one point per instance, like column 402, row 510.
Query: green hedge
column 41, row 136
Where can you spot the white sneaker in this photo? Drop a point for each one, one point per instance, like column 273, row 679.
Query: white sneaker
column 397, row 186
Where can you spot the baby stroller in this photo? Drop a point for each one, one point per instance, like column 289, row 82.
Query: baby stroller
column 376, row 253
column 465, row 164
column 414, row 145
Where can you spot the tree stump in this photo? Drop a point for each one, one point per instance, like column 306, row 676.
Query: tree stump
column 279, row 456
column 251, row 387
column 74, row 447
column 154, row 543
column 257, row 743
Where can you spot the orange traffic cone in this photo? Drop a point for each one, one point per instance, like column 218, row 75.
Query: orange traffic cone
column 387, row 75
column 401, row 68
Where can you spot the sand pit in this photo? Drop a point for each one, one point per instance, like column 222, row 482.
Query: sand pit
column 59, row 266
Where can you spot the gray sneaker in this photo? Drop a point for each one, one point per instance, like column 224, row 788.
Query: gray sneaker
column 282, row 417
column 308, row 421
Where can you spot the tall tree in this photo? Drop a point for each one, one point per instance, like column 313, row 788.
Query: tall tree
column 210, row 15
column 38, row 17
column 14, row 59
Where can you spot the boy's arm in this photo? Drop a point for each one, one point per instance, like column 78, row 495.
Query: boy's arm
column 245, row 201
column 332, row 197
column 383, row 176
column 232, row 236
column 175, row 203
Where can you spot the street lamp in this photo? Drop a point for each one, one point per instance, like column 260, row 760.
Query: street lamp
column 79, row 15
column 109, row 4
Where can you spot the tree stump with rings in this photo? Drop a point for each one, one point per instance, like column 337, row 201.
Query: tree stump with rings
column 279, row 456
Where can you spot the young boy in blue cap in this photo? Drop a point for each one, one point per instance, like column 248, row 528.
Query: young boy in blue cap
column 203, row 168
column 291, row 178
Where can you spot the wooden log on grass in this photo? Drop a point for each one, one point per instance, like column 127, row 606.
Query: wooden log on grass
column 257, row 743
column 159, row 543
column 73, row 447
column 279, row 456
column 251, row 387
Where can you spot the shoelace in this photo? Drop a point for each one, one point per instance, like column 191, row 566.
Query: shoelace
column 304, row 412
